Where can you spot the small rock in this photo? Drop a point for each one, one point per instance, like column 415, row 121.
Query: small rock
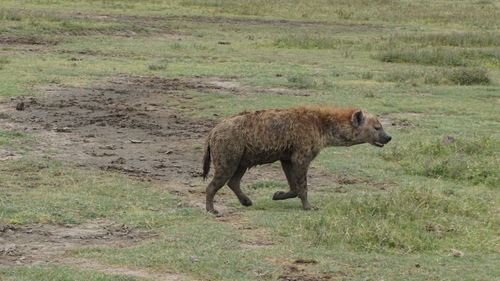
column 194, row 259
column 457, row 253
column 20, row 106
column 417, row 265
column 449, row 139
column 224, row 43
column 63, row 130
column 304, row 261
column 136, row 141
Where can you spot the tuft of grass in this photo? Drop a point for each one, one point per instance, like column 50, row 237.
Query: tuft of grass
column 10, row 15
column 401, row 76
column 429, row 56
column 473, row 160
column 307, row 42
column 56, row 273
column 41, row 191
column 403, row 220
column 14, row 139
column 456, row 39
column 441, row 56
column 468, row 76
column 306, row 82
column 366, row 75
column 440, row 76
column 157, row 67
column 3, row 61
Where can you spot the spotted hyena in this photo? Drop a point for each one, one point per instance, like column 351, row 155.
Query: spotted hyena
column 294, row 136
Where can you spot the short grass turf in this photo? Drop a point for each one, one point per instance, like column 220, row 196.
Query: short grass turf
column 431, row 67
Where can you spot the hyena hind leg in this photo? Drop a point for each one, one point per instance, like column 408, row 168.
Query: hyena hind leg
column 234, row 184
column 220, row 178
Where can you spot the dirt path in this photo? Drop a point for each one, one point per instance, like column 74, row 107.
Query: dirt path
column 35, row 243
column 122, row 270
column 127, row 124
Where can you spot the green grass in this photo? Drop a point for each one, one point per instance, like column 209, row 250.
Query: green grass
column 440, row 76
column 15, row 140
column 456, row 39
column 307, row 42
column 40, row 191
column 412, row 202
column 56, row 273
column 3, row 62
column 440, row 56
column 474, row 160
column 399, row 221
column 214, row 246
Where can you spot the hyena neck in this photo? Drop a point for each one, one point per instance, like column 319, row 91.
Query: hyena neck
column 339, row 136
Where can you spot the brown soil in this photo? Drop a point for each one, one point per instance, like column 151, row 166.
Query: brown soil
column 26, row 244
column 400, row 120
column 155, row 21
column 242, row 20
column 26, row 40
column 299, row 273
column 122, row 270
column 126, row 125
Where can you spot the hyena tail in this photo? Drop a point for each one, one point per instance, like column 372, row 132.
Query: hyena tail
column 206, row 161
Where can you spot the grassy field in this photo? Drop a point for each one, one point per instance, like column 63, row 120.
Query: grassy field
column 425, row 207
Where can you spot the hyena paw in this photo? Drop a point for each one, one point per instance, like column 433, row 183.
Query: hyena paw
column 278, row 195
column 311, row 208
column 246, row 202
column 213, row 211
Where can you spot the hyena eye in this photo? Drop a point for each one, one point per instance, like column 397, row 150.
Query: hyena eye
column 378, row 128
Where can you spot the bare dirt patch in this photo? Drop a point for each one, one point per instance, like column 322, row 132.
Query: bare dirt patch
column 26, row 244
column 298, row 272
column 127, row 124
column 130, row 271
column 402, row 120
column 160, row 22
column 275, row 22
column 241, row 20
column 134, row 125
column 26, row 40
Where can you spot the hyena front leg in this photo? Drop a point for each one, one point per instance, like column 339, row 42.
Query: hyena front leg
column 300, row 166
column 282, row 195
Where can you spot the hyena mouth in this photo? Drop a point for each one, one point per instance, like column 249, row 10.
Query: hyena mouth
column 379, row 144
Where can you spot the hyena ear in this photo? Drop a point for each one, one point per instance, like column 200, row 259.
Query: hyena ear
column 357, row 118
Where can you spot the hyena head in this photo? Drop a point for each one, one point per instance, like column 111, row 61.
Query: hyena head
column 368, row 129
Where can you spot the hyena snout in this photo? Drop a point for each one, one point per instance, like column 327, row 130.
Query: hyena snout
column 384, row 138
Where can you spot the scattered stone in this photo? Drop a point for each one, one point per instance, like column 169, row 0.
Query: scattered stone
column 304, row 261
column 449, row 139
column 63, row 130
column 20, row 106
column 457, row 253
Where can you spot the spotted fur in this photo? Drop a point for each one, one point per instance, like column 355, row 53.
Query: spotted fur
column 293, row 136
